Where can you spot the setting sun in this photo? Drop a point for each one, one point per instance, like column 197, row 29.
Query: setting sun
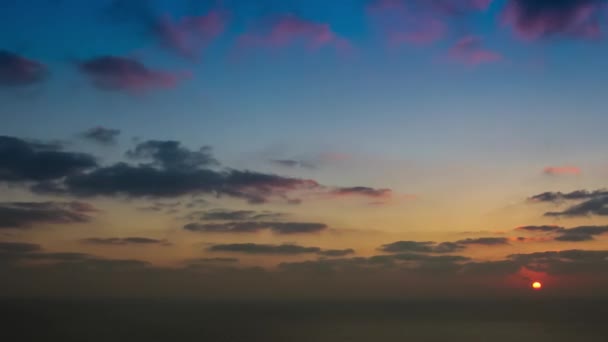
column 537, row 285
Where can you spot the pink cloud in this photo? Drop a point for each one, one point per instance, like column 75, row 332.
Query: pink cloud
column 425, row 31
column 290, row 29
column 562, row 170
column 122, row 73
column 470, row 50
column 537, row 19
column 16, row 70
column 189, row 35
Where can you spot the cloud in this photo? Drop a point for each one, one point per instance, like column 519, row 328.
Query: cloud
column 186, row 36
column 254, row 227
column 213, row 261
column 252, row 248
column 125, row 241
column 289, row 163
column 286, row 30
column 470, row 50
column 596, row 206
column 562, row 170
column 126, row 74
column 362, row 191
column 420, row 22
column 337, row 252
column 576, row 234
column 189, row 35
column 538, row 19
column 170, row 154
column 24, row 215
column 175, row 171
column 570, row 196
column 101, row 135
column 564, row 262
column 444, row 247
column 541, row 228
column 24, row 161
column 18, row 247
column 237, row 215
column 409, row 246
column 486, row 241
column 17, row 71
column 583, row 233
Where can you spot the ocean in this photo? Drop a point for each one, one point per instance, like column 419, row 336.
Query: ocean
column 311, row 321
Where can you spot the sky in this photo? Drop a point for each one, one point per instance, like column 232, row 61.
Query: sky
column 263, row 149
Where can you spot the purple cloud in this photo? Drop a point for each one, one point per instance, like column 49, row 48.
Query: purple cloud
column 470, row 50
column 536, row 19
column 17, row 71
column 126, row 74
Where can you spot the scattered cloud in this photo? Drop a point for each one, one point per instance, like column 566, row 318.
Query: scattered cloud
column 286, row 30
column 470, row 50
column 27, row 161
column 540, row 228
column 363, row 192
column 18, row 71
column 284, row 228
column 289, row 163
column 170, row 154
column 236, row 215
column 126, row 74
column 443, row 247
column 538, row 19
column 595, row 206
column 337, row 252
column 562, row 170
column 576, row 234
column 24, row 215
column 101, row 135
column 569, row 196
column 252, row 248
column 114, row 241
column 191, row 34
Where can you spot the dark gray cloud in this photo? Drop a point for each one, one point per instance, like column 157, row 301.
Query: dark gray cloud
column 171, row 155
column 23, row 215
column 123, row 179
column 362, row 191
column 101, row 135
column 25, row 161
column 541, row 228
column 17, row 71
column 409, row 246
column 116, row 73
column 114, row 241
column 575, row 234
column 565, row 262
column 252, row 248
column 236, row 215
column 444, row 247
column 167, row 170
column 214, row 260
column 486, row 241
column 596, row 206
column 18, row 247
column 583, row 233
column 254, row 226
column 549, row 18
column 568, row 196
column 337, row 252
column 290, row 163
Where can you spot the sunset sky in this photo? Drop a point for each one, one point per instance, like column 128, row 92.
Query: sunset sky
column 269, row 148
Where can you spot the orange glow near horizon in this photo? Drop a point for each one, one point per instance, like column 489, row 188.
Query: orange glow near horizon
column 537, row 285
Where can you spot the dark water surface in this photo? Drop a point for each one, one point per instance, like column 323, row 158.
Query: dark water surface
column 184, row 320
